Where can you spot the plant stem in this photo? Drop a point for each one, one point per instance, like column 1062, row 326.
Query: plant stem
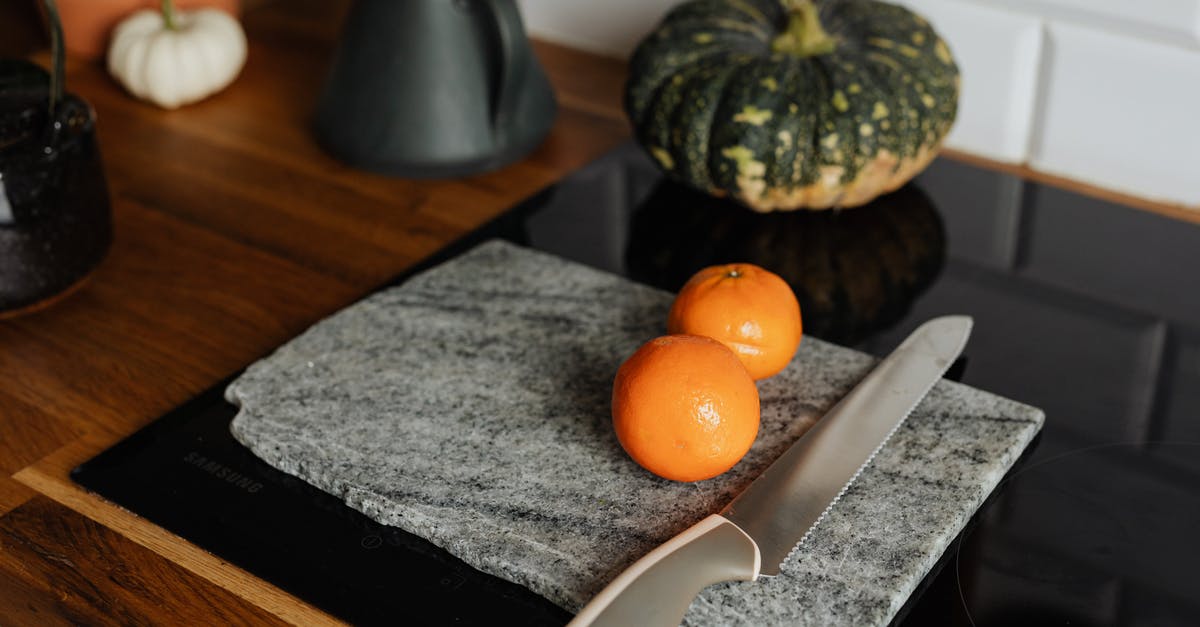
column 168, row 13
column 804, row 35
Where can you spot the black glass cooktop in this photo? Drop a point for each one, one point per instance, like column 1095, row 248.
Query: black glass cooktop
column 1086, row 309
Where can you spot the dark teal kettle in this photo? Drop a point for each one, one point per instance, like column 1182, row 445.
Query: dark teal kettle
column 433, row 89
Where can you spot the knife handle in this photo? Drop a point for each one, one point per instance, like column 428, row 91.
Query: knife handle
column 657, row 589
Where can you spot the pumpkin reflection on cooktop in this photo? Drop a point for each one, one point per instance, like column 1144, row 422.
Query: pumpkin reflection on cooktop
column 854, row 271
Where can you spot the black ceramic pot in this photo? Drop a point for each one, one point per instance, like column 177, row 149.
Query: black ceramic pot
column 55, row 221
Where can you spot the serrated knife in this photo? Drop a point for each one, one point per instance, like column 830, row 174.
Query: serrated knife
column 756, row 531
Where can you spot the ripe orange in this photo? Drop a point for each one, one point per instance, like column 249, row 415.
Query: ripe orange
column 684, row 407
column 751, row 310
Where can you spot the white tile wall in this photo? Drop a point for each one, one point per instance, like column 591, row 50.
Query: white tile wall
column 609, row 27
column 1176, row 21
column 998, row 53
column 1102, row 91
column 1121, row 112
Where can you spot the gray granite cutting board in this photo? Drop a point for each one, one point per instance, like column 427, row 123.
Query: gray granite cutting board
column 470, row 406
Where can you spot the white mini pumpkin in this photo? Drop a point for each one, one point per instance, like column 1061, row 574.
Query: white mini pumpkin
column 175, row 58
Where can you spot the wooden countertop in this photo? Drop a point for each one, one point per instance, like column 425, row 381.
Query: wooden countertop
column 233, row 233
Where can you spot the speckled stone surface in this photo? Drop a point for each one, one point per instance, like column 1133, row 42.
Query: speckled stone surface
column 470, row 406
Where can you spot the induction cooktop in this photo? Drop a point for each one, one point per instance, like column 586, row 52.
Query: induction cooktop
column 1083, row 308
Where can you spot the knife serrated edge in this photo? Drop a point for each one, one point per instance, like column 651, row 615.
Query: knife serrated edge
column 940, row 341
column 657, row 589
column 870, row 458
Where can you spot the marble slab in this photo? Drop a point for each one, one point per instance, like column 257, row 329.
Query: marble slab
column 470, row 406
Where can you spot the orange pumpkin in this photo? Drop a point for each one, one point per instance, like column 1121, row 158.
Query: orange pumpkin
column 88, row 23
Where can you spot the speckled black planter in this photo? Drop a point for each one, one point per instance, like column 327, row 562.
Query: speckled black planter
column 55, row 221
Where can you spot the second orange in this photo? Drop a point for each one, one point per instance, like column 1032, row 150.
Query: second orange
column 751, row 310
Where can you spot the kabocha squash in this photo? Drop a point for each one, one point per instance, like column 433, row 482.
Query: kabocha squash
column 788, row 104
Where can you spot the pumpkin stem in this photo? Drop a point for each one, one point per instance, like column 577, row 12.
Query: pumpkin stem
column 168, row 13
column 803, row 36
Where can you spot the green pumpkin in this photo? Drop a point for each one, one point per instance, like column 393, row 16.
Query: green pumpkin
column 789, row 104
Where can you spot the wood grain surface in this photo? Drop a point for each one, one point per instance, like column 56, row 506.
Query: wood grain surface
column 233, row 233
column 58, row 567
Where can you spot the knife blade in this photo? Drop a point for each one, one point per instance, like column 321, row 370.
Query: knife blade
column 778, row 511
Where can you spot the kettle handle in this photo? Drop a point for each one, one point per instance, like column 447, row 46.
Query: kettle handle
column 57, row 59
column 514, row 50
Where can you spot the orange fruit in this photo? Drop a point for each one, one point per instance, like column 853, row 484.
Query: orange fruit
column 751, row 310
column 684, row 407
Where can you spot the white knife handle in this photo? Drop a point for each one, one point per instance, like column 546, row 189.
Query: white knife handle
column 657, row 589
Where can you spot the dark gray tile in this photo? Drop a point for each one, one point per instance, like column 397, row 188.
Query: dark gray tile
column 1091, row 368
column 1112, row 253
column 1001, row 592
column 1178, row 422
column 1136, row 525
column 1154, row 609
column 980, row 210
column 606, row 190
